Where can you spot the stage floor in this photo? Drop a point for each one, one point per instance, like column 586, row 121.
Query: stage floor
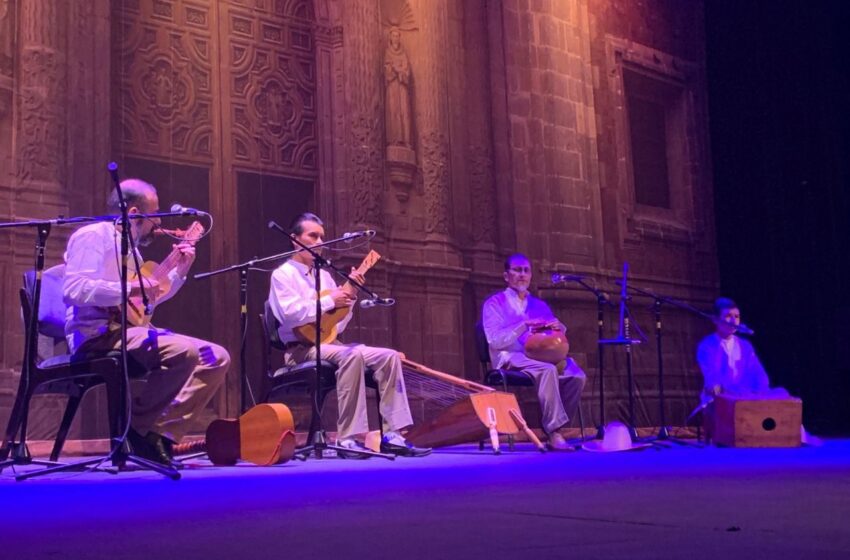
column 457, row 503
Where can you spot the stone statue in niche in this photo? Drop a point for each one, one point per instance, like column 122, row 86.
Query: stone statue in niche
column 398, row 81
column 397, row 77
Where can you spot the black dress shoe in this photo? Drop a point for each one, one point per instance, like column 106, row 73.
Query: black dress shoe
column 151, row 447
column 406, row 450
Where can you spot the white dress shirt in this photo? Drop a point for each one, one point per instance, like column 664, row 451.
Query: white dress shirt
column 503, row 318
column 92, row 286
column 292, row 297
column 731, row 366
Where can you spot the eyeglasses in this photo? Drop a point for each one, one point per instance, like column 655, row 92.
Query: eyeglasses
column 520, row 269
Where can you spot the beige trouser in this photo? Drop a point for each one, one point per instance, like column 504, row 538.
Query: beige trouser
column 183, row 375
column 352, row 361
column 559, row 395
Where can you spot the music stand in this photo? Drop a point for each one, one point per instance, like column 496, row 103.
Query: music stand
column 664, row 431
column 319, row 444
column 624, row 339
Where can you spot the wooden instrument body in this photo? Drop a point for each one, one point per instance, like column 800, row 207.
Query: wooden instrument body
column 547, row 345
column 471, row 411
column 757, row 422
column 264, row 436
column 467, row 420
column 330, row 319
column 157, row 272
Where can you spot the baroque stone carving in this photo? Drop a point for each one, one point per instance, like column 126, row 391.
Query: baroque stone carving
column 366, row 171
column 42, row 145
column 435, row 156
column 480, row 174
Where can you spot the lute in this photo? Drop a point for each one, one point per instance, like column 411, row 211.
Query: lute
column 330, row 319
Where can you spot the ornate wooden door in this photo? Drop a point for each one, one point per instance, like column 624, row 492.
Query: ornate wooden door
column 215, row 103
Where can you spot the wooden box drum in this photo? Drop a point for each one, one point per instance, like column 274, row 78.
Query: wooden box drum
column 751, row 422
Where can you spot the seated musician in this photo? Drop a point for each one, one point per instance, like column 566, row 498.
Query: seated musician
column 183, row 372
column 729, row 363
column 730, row 366
column 292, row 298
column 509, row 317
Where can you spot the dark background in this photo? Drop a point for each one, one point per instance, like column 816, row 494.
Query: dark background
column 780, row 129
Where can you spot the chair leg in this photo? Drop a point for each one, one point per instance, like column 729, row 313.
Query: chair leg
column 70, row 411
column 12, row 428
column 116, row 395
column 510, row 436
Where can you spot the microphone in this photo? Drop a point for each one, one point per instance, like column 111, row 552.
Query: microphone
column 744, row 329
column 350, row 236
column 274, row 225
column 177, row 207
column 369, row 303
column 561, row 277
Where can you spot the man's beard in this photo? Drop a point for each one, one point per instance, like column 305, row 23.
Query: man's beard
column 145, row 240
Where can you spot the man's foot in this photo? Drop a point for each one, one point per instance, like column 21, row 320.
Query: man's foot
column 558, row 443
column 394, row 443
column 152, row 447
column 354, row 445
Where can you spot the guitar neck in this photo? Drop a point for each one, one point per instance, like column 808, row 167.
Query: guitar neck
column 368, row 262
column 162, row 269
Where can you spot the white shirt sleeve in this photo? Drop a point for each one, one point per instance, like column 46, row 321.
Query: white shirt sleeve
column 83, row 285
column 500, row 333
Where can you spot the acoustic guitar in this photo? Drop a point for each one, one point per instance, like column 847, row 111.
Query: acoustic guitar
column 264, row 436
column 158, row 272
column 330, row 320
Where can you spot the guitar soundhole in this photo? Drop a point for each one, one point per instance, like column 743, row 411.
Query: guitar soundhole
column 769, row 424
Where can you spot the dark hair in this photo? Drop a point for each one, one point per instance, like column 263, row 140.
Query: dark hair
column 296, row 226
column 721, row 304
column 514, row 257
column 134, row 190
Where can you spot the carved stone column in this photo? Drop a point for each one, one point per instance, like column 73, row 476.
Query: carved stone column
column 363, row 50
column 479, row 147
column 40, row 145
column 7, row 66
column 432, row 119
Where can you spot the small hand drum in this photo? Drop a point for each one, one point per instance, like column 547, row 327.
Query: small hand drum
column 548, row 346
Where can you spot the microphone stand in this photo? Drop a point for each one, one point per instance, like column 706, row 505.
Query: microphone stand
column 120, row 449
column 601, row 301
column 664, row 431
column 319, row 444
column 243, row 268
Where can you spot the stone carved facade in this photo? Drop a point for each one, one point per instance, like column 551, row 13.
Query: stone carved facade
column 535, row 166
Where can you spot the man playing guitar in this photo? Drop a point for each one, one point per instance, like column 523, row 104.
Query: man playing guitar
column 293, row 301
column 183, row 373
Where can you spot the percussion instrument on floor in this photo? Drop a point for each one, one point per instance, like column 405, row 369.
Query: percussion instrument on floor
column 755, row 421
